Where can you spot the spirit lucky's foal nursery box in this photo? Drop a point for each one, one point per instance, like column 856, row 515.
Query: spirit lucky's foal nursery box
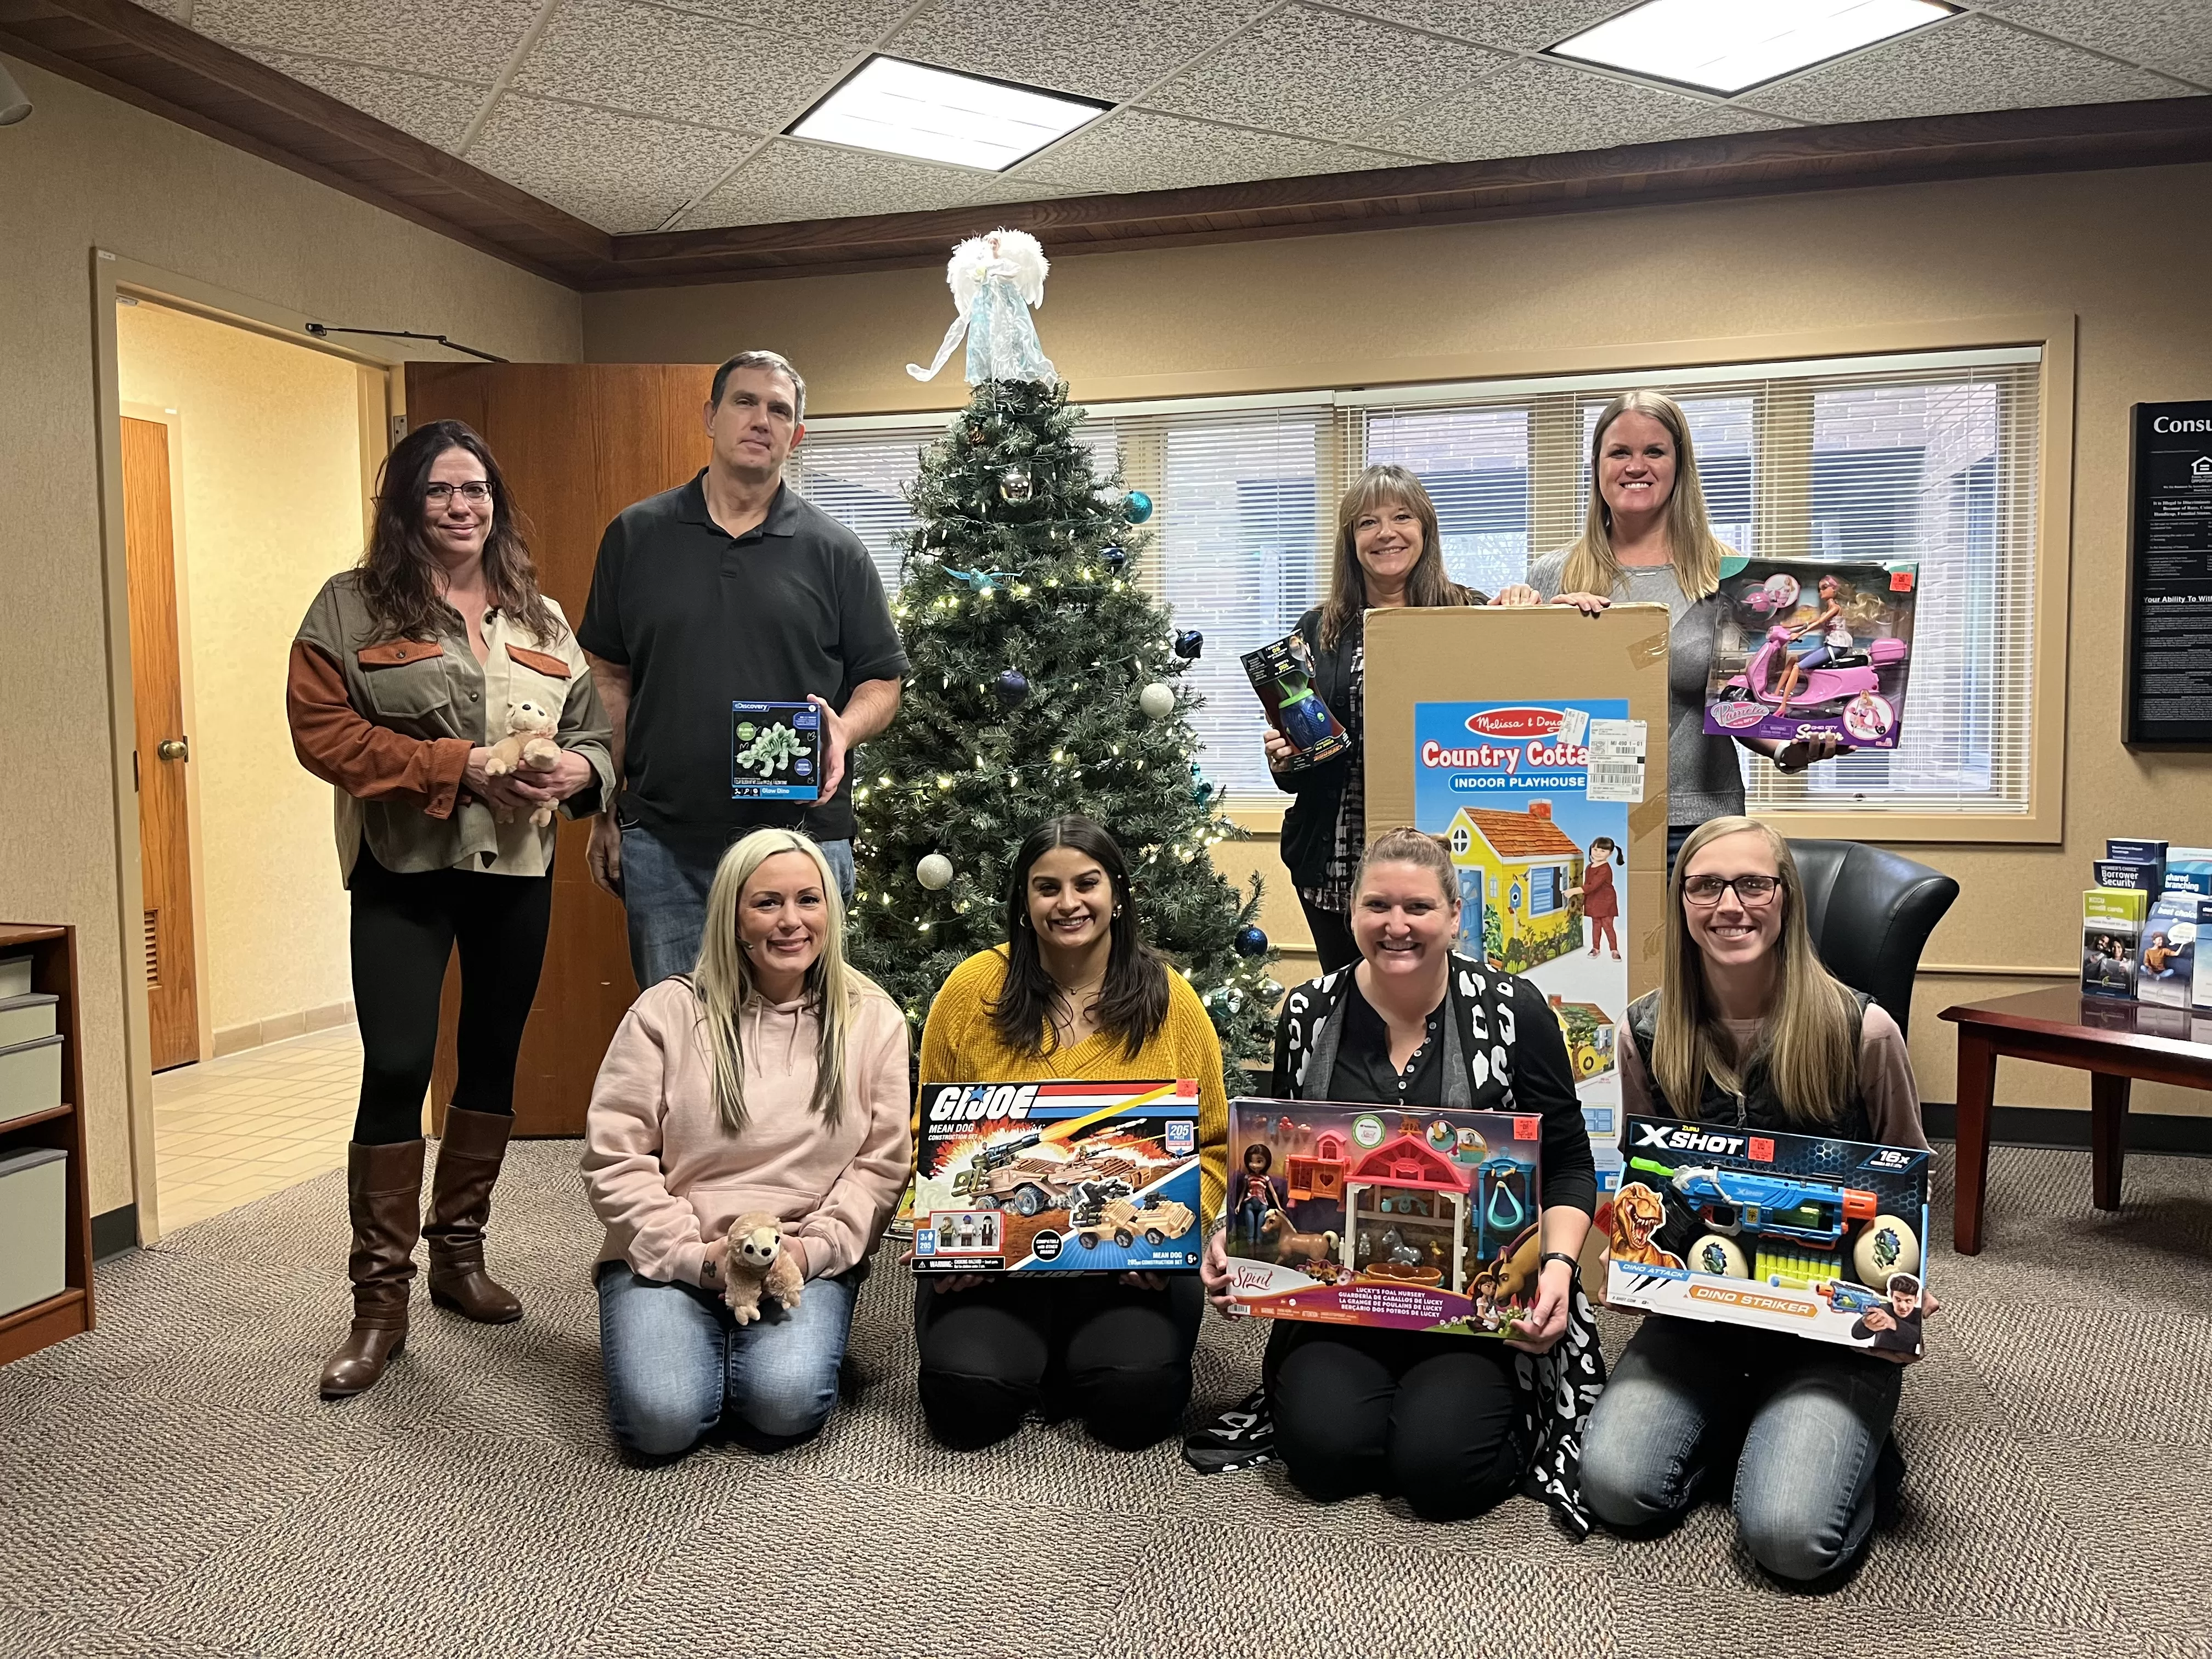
column 1806, row 1234
column 1058, row 1177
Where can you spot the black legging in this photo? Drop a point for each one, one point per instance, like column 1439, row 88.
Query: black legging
column 1432, row 1419
column 1332, row 936
column 1116, row 1355
column 404, row 928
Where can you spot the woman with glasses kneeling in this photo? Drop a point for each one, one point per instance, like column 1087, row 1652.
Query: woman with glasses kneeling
column 1452, row 1424
column 1075, row 993
column 1749, row 1028
column 769, row 1085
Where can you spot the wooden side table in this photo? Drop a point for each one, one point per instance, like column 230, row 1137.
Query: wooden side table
column 2114, row 1041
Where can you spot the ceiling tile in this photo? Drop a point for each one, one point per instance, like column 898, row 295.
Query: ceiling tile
column 1112, row 51
column 678, row 66
column 857, row 22
column 1971, row 63
column 1522, row 25
column 620, row 173
column 2175, row 35
column 1138, row 150
column 1536, row 107
column 793, row 180
column 436, row 111
column 429, row 37
column 1023, row 187
column 1325, row 75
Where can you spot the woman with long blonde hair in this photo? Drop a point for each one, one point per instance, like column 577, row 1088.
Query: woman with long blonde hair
column 1747, row 1028
column 770, row 1080
column 1648, row 539
column 1389, row 554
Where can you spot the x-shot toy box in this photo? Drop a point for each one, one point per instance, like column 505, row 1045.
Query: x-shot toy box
column 1804, row 647
column 1410, row 1219
column 1808, row 1234
column 776, row 751
column 1058, row 1177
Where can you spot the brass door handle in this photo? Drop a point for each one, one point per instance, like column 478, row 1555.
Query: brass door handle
column 175, row 749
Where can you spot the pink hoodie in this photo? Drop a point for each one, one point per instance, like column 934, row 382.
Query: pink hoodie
column 666, row 1177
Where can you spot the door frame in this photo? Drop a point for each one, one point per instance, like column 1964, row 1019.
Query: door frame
column 114, row 276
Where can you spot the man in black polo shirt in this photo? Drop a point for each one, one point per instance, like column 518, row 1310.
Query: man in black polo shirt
column 729, row 589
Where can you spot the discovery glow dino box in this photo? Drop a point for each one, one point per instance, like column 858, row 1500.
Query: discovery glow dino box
column 776, row 751
column 1805, row 647
column 1409, row 1219
column 1058, row 1177
column 1818, row 1237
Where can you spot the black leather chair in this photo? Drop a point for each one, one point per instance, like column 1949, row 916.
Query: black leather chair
column 1871, row 912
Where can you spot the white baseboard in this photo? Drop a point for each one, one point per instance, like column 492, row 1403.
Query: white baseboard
column 277, row 1028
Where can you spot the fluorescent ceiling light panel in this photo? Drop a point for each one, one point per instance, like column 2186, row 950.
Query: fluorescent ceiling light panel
column 1725, row 45
column 913, row 109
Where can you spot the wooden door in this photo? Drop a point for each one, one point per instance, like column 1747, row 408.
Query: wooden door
column 163, row 747
column 578, row 442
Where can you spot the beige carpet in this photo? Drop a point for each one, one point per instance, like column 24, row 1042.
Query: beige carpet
column 169, row 1486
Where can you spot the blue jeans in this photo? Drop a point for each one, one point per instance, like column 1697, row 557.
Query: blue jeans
column 677, row 1362
column 665, row 899
column 1812, row 1420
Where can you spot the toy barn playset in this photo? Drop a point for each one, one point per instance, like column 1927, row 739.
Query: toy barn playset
column 1410, row 1220
column 776, row 751
column 1805, row 647
column 1282, row 674
column 1058, row 1177
column 1808, row 1234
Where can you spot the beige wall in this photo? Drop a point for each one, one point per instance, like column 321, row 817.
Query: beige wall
column 2126, row 252
column 83, row 171
column 270, row 438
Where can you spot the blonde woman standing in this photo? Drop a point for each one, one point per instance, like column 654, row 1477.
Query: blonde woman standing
column 1389, row 554
column 1748, row 1028
column 1648, row 540
column 771, row 1078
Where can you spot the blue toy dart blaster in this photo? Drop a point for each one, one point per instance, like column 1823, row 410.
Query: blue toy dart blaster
column 1734, row 1201
column 1842, row 1298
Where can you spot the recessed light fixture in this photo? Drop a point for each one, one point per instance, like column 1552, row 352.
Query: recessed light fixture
column 891, row 105
column 1725, row 45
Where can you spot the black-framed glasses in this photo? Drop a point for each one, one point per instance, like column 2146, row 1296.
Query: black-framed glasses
column 475, row 493
column 1752, row 892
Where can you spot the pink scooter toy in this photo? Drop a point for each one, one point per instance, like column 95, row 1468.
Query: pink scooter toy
column 1826, row 684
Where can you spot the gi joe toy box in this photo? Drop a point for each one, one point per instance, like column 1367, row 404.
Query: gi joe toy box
column 1804, row 648
column 776, row 751
column 1058, row 1177
column 1405, row 1219
column 1808, row 1234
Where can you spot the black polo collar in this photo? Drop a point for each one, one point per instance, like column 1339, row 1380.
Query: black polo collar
column 782, row 512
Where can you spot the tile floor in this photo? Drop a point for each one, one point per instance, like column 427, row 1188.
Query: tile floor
column 235, row 1129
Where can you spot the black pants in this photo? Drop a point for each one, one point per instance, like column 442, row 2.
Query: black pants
column 1433, row 1420
column 1332, row 936
column 1114, row 1354
column 404, row 928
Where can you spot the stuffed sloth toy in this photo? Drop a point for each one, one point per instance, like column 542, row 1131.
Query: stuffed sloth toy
column 528, row 746
column 753, row 1260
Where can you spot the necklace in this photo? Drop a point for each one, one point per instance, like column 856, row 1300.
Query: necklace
column 1073, row 1006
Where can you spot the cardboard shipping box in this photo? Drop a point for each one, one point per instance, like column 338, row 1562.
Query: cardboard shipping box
column 1533, row 740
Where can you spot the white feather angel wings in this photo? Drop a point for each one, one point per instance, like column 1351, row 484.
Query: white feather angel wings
column 995, row 280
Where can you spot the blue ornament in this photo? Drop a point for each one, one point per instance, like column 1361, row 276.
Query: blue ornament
column 1138, row 505
column 977, row 580
column 1013, row 687
column 1188, row 644
column 1117, row 557
column 1201, row 790
column 1251, row 942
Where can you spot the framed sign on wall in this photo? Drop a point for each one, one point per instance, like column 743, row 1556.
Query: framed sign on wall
column 2169, row 668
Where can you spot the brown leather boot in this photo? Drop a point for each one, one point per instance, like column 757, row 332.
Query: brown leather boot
column 460, row 1203
column 384, row 1194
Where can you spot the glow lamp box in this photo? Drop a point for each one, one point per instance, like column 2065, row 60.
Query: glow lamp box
column 776, row 751
column 1282, row 674
column 1058, row 1177
column 1403, row 1218
column 1809, row 1234
column 1805, row 647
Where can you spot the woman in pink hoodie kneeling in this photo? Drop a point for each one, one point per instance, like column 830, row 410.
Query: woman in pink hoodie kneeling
column 771, row 1080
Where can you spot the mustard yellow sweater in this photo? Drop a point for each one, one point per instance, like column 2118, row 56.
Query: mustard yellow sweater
column 959, row 1045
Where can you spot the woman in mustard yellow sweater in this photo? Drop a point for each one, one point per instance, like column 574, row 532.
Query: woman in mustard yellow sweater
column 1075, row 992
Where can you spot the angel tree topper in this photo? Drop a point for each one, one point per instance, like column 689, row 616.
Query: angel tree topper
column 995, row 280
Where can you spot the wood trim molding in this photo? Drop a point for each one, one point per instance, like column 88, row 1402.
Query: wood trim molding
column 143, row 58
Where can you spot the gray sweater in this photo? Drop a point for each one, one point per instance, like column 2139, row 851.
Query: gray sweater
column 1704, row 776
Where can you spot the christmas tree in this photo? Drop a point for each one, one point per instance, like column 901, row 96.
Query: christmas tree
column 1044, row 681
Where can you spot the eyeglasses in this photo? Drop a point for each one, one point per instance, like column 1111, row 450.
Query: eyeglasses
column 1752, row 892
column 475, row 493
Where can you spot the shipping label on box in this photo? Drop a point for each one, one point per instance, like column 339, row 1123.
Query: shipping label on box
column 776, row 751
column 1404, row 1219
column 1809, row 1234
column 1807, row 647
column 1058, row 1177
